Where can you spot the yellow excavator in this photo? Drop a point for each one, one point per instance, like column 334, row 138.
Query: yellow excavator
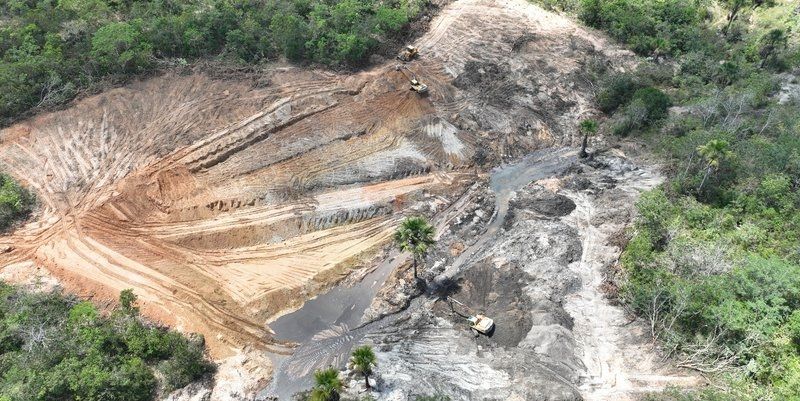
column 416, row 85
column 478, row 323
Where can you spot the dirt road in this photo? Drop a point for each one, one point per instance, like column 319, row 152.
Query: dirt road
column 618, row 354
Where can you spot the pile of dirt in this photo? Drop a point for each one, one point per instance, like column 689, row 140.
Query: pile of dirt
column 539, row 200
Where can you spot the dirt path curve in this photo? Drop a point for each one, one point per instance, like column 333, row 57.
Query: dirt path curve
column 620, row 361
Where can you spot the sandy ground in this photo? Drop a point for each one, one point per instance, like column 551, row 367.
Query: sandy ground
column 618, row 354
column 223, row 205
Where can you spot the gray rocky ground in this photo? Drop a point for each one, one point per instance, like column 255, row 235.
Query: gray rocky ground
column 541, row 277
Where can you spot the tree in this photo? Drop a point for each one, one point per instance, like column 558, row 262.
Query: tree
column 363, row 360
column 119, row 47
column 735, row 6
column 771, row 44
column 15, row 201
column 350, row 47
column 390, row 19
column 327, row 385
column 616, row 91
column 290, row 34
column 587, row 127
column 714, row 152
column 415, row 235
column 655, row 212
column 61, row 350
column 186, row 365
column 127, row 299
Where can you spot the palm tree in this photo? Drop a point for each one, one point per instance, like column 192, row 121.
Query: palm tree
column 587, row 127
column 363, row 360
column 714, row 152
column 327, row 385
column 415, row 235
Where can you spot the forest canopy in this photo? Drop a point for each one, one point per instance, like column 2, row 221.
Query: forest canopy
column 51, row 50
column 55, row 347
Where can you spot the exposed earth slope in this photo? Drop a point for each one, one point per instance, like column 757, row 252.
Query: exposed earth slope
column 224, row 205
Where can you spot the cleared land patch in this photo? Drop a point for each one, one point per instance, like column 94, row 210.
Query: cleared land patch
column 222, row 204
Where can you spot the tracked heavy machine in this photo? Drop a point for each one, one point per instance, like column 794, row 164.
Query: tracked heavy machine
column 408, row 53
column 416, row 85
column 478, row 323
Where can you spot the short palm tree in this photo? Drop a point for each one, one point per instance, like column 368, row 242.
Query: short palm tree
column 714, row 152
column 587, row 127
column 363, row 360
column 415, row 235
column 327, row 385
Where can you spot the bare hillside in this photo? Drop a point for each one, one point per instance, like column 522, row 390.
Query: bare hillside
column 224, row 205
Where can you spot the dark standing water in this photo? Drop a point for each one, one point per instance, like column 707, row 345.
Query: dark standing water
column 326, row 327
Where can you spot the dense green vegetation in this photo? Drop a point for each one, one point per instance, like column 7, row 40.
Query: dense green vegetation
column 649, row 27
column 53, row 49
column 15, row 202
column 53, row 347
column 713, row 263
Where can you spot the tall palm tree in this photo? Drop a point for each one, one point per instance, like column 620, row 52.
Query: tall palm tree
column 415, row 235
column 327, row 385
column 363, row 360
column 714, row 152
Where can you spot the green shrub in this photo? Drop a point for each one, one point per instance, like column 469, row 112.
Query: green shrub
column 632, row 118
column 186, row 365
column 661, row 27
column 119, row 47
column 616, row 91
column 713, row 263
column 675, row 394
column 647, row 106
column 15, row 202
column 793, row 327
column 655, row 101
column 55, row 348
column 569, row 6
column 748, row 306
column 390, row 19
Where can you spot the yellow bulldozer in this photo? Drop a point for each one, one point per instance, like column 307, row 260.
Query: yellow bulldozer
column 408, row 53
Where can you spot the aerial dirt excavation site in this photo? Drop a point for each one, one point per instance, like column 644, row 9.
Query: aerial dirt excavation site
column 262, row 216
